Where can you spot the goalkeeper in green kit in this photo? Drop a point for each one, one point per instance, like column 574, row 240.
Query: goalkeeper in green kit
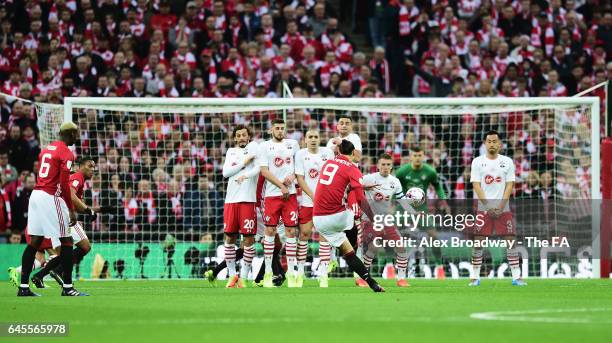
column 422, row 175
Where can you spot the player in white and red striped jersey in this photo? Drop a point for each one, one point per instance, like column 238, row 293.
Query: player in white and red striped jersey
column 308, row 164
column 86, row 170
column 381, row 189
column 493, row 177
column 277, row 163
column 50, row 209
column 331, row 216
column 242, row 170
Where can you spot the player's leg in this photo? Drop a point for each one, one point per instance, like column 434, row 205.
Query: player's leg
column 302, row 249
column 401, row 262
column 53, row 266
column 325, row 250
column 52, row 263
column 272, row 213
column 437, row 252
column 477, row 253
column 229, row 244
column 289, row 214
column 248, row 243
column 506, row 228
column 27, row 263
column 349, row 255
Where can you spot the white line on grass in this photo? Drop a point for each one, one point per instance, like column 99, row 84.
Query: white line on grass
column 524, row 316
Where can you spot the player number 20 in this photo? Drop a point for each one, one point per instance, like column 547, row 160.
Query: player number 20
column 249, row 224
column 328, row 173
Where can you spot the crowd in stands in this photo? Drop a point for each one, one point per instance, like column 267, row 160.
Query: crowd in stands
column 162, row 170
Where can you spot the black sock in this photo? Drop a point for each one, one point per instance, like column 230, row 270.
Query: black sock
column 223, row 264
column 358, row 267
column 51, row 265
column 277, row 267
column 77, row 255
column 27, row 263
column 260, row 273
column 66, row 262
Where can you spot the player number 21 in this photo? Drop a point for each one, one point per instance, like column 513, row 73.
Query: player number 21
column 328, row 174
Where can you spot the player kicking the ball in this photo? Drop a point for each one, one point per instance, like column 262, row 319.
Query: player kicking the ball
column 51, row 212
column 280, row 200
column 493, row 180
column 86, row 170
column 381, row 189
column 308, row 164
column 331, row 216
column 239, row 214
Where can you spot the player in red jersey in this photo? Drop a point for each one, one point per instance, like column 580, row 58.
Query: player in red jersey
column 277, row 165
column 492, row 176
column 86, row 170
column 51, row 211
column 331, row 216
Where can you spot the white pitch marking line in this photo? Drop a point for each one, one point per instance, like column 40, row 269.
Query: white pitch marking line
column 521, row 316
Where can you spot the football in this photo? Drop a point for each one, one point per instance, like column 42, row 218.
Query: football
column 415, row 196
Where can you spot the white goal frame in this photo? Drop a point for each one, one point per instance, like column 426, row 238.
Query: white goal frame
column 434, row 106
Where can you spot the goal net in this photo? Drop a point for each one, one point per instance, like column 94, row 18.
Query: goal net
column 159, row 163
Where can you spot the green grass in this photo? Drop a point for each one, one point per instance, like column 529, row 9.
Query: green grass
column 428, row 311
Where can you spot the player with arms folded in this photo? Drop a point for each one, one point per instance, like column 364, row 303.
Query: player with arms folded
column 422, row 175
column 51, row 211
column 331, row 216
column 345, row 129
column 86, row 170
column 239, row 214
column 381, row 188
column 278, row 168
column 493, row 179
column 308, row 164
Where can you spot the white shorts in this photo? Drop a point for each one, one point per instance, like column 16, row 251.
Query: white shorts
column 332, row 226
column 77, row 233
column 48, row 215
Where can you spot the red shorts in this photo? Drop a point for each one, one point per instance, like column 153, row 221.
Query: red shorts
column 503, row 225
column 388, row 233
column 46, row 243
column 305, row 214
column 276, row 208
column 240, row 217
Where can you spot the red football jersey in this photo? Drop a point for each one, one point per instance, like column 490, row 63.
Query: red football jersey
column 77, row 182
column 54, row 164
column 338, row 177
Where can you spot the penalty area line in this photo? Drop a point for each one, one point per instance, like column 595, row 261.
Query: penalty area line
column 526, row 316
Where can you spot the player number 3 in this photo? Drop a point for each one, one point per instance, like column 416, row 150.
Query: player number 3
column 328, row 174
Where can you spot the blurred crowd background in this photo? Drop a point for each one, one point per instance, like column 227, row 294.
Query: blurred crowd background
column 163, row 170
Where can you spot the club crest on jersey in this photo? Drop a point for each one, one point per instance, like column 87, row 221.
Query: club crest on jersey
column 490, row 179
column 502, row 165
column 313, row 173
column 278, row 162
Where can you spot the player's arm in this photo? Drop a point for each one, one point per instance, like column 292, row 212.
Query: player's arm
column 267, row 174
column 64, row 176
column 400, row 174
column 475, row 179
column 230, row 170
column 357, row 192
column 510, row 179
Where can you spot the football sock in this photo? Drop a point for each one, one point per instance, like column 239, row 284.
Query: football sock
column 476, row 262
column 268, row 245
column 368, row 258
column 27, row 263
column 401, row 260
column 247, row 260
column 66, row 263
column 513, row 261
column 223, row 265
column 324, row 256
column 357, row 266
column 230, row 259
column 291, row 251
column 302, row 252
column 52, row 264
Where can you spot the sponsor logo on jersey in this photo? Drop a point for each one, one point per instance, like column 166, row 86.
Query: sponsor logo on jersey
column 379, row 196
column 489, row 179
column 313, row 173
column 278, row 162
column 51, row 147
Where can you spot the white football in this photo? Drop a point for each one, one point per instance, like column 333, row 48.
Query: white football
column 415, row 196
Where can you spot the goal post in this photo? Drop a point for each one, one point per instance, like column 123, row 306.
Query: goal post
column 575, row 119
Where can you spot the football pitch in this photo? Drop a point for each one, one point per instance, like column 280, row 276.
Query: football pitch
column 428, row 311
